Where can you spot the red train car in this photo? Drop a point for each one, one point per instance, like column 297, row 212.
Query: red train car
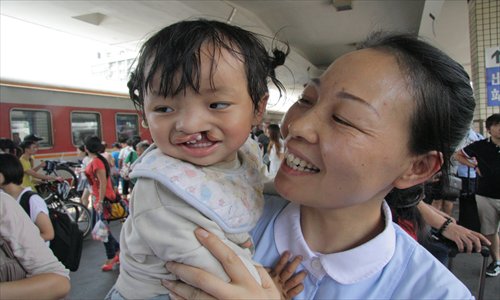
column 63, row 117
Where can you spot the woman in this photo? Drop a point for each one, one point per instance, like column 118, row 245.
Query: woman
column 12, row 172
column 383, row 118
column 98, row 174
column 46, row 276
column 275, row 149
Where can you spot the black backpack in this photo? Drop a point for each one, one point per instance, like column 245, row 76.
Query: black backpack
column 68, row 239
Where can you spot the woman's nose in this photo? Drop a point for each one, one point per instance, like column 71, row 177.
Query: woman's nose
column 304, row 126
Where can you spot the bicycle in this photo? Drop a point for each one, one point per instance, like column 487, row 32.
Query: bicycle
column 63, row 169
column 57, row 195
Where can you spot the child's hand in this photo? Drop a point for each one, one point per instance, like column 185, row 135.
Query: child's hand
column 289, row 284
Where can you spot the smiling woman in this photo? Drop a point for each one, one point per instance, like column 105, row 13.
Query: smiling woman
column 378, row 120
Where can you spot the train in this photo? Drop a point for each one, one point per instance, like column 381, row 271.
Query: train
column 63, row 117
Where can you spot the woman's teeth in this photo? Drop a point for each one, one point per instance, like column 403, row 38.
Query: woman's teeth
column 300, row 165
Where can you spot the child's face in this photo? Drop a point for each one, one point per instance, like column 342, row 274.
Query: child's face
column 349, row 133
column 208, row 127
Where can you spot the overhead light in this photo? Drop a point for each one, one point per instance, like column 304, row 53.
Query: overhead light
column 341, row 5
column 93, row 18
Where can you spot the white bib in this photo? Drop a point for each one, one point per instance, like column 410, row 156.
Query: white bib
column 231, row 198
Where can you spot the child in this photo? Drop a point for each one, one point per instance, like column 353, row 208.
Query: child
column 201, row 86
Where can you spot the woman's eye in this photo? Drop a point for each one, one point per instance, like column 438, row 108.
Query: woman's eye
column 340, row 121
column 163, row 109
column 219, row 105
column 304, row 101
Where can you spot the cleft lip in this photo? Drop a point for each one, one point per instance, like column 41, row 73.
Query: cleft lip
column 181, row 139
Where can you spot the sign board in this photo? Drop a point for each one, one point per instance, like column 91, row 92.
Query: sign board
column 492, row 62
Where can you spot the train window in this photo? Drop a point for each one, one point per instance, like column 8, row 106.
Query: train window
column 126, row 125
column 84, row 124
column 24, row 122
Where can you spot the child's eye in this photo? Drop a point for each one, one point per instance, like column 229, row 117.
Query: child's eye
column 219, row 105
column 163, row 109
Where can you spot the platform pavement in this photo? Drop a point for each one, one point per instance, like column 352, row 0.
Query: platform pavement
column 89, row 282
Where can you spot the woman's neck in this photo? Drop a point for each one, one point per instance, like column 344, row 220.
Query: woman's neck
column 336, row 230
column 13, row 189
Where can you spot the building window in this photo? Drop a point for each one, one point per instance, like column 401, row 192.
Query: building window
column 84, row 124
column 24, row 122
column 127, row 125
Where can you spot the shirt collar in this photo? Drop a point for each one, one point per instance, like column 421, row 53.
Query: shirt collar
column 345, row 267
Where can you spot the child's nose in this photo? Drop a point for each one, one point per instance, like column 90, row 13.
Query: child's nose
column 192, row 121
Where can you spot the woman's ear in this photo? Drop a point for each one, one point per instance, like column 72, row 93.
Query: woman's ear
column 261, row 110
column 420, row 170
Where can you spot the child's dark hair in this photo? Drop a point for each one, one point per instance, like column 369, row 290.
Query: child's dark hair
column 11, row 168
column 492, row 120
column 443, row 97
column 176, row 49
column 94, row 146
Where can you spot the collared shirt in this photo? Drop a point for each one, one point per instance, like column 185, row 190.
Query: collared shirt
column 391, row 265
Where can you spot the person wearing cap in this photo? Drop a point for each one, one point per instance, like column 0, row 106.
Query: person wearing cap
column 30, row 147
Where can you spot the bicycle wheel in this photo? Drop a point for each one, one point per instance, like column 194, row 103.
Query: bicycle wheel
column 67, row 174
column 81, row 215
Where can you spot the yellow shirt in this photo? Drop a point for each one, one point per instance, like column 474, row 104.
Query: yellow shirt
column 27, row 179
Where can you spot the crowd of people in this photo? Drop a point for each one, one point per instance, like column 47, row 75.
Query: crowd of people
column 304, row 198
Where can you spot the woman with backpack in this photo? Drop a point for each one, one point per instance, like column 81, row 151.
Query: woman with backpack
column 12, row 171
column 98, row 175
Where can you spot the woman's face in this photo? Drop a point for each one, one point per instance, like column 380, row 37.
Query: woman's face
column 348, row 134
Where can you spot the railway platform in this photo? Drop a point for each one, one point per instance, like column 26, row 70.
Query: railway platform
column 89, row 282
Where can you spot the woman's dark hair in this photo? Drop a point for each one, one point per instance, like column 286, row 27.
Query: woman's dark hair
column 492, row 120
column 94, row 146
column 274, row 137
column 174, row 53
column 11, row 168
column 441, row 90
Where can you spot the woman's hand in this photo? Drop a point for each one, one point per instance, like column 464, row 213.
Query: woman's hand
column 242, row 285
column 284, row 277
column 465, row 239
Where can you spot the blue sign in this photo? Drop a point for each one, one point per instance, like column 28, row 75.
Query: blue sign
column 492, row 58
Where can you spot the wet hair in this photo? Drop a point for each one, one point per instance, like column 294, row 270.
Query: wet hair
column 274, row 137
column 175, row 54
column 492, row 120
column 94, row 146
column 11, row 168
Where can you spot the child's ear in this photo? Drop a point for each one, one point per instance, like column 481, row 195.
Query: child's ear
column 261, row 110
column 420, row 170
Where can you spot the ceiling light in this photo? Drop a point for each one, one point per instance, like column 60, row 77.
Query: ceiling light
column 93, row 18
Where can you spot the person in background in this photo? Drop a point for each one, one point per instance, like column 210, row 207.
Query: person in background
column 8, row 146
column 115, row 169
column 124, row 153
column 484, row 157
column 46, row 278
column 98, row 175
column 275, row 149
column 359, row 142
column 30, row 147
column 83, row 183
column 12, row 172
column 16, row 139
column 466, row 173
column 139, row 150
